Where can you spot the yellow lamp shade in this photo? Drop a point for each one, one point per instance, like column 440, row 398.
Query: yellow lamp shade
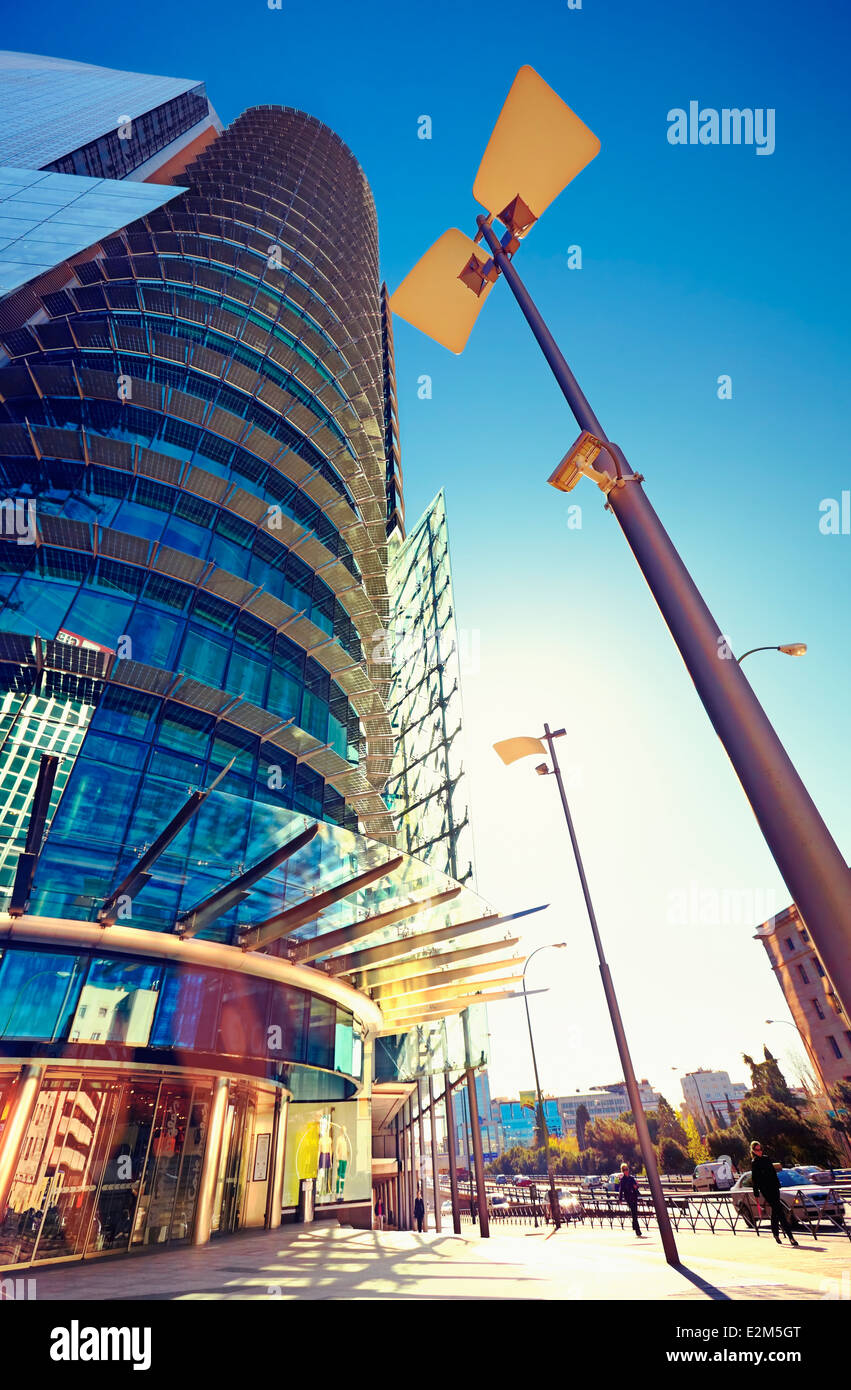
column 538, row 145
column 510, row 749
column 434, row 297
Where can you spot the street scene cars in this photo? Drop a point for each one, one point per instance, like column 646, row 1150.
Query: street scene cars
column 804, row 1200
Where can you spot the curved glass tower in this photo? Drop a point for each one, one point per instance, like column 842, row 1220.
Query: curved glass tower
column 205, row 923
column 198, row 419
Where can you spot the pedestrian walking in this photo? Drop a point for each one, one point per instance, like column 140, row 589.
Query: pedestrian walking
column 379, row 1214
column 419, row 1209
column 628, row 1192
column 765, row 1182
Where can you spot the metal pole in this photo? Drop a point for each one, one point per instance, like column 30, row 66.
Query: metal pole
column 647, row 1151
column 476, row 1139
column 805, row 852
column 421, row 1166
column 449, row 1110
column 555, row 1206
column 435, row 1166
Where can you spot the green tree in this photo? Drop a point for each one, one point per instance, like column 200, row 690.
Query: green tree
column 669, row 1124
column 729, row 1142
column 768, row 1080
column 652, row 1119
column 673, row 1158
column 785, row 1133
column 615, row 1142
column 582, row 1119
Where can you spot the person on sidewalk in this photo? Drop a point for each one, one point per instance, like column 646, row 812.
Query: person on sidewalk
column 379, row 1214
column 766, row 1183
column 628, row 1192
column 419, row 1210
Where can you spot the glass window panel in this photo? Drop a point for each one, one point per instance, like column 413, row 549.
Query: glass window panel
column 242, row 1025
column 188, row 1010
column 287, row 1019
column 117, row 1003
column 321, row 1033
column 38, row 993
column 204, row 656
column 343, row 1036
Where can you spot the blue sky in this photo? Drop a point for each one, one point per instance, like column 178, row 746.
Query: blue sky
column 697, row 262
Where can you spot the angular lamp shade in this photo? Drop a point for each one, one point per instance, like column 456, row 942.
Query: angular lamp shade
column 538, row 145
column 513, row 748
column 434, row 297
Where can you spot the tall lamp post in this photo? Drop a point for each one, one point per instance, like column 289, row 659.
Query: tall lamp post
column 538, row 145
column 510, row 750
column 555, row 1205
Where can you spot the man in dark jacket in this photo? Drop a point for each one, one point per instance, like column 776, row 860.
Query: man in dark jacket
column 766, row 1183
column 419, row 1209
column 628, row 1192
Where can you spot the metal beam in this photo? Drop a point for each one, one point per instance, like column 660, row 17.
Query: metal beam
column 403, row 1021
column 230, row 894
column 406, row 945
column 433, row 994
column 433, row 979
column 273, row 928
column 356, row 931
column 28, row 858
column 365, row 979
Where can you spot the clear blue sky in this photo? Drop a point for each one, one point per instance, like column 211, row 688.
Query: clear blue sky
column 697, row 262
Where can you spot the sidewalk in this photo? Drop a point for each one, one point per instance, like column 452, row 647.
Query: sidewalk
column 327, row 1261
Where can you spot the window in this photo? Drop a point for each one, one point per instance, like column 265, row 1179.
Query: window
column 790, row 943
column 818, row 1008
column 803, row 974
column 818, row 965
column 837, row 1050
column 805, row 936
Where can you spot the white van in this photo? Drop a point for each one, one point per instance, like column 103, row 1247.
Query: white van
column 717, row 1176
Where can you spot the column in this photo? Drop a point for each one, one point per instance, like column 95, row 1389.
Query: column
column 279, row 1149
column 26, row 1094
column 210, row 1163
column 435, row 1166
column 421, row 1167
column 476, row 1138
column 450, row 1146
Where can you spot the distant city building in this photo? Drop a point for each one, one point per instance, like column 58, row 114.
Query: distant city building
column 813, row 1003
column 711, row 1098
column 516, row 1120
column 492, row 1143
column 604, row 1103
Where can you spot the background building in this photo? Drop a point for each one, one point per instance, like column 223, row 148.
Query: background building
column 711, row 1098
column 604, row 1102
column 813, row 1003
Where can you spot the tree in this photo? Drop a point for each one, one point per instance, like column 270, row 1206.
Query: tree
column 582, row 1119
column 673, row 1158
column 698, row 1150
column 615, row 1143
column 768, row 1080
column 729, row 1142
column 652, row 1119
column 670, row 1125
column 787, row 1134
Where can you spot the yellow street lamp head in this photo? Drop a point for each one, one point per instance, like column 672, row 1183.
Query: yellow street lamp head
column 510, row 749
column 794, row 648
column 538, row 145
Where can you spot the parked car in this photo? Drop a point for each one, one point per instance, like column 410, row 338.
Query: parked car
column 592, row 1180
column 803, row 1200
column 446, row 1208
column 523, row 1182
column 813, row 1173
column 502, row 1178
column 499, row 1203
column 718, row 1176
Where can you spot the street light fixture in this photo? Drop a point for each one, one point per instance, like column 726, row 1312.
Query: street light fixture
column 537, row 147
column 788, row 649
column 555, row 1205
column 510, row 750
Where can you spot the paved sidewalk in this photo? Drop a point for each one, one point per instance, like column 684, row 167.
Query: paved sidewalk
column 327, row 1261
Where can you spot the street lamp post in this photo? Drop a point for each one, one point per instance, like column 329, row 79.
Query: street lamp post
column 509, row 750
column 555, row 1206
column 537, row 147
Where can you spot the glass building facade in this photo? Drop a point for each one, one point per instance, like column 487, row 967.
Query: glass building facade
column 200, row 887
